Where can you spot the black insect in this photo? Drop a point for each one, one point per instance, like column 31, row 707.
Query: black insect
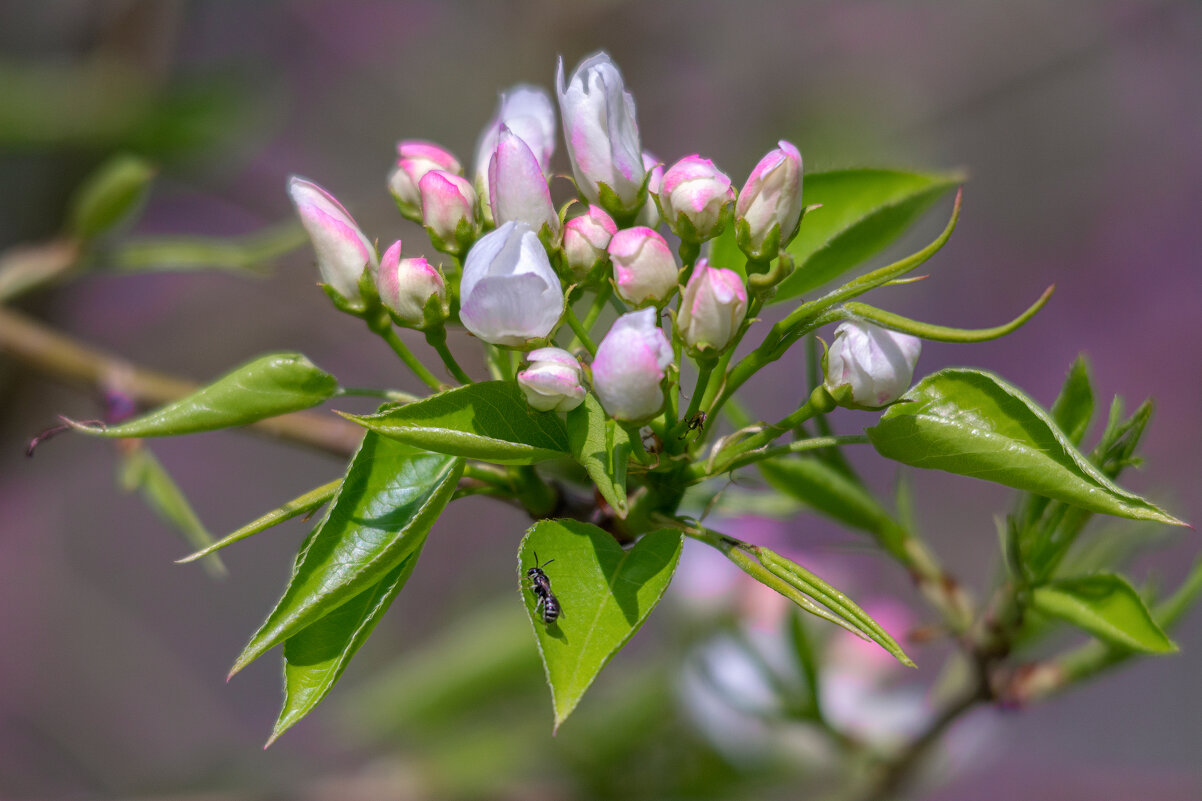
column 696, row 423
column 540, row 585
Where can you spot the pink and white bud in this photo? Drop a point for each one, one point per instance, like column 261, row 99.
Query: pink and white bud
column 414, row 160
column 448, row 209
column 630, row 365
column 508, row 294
column 649, row 214
column 343, row 252
column 712, row 308
column 867, row 366
column 693, row 197
column 517, row 188
column 601, row 132
column 407, row 287
column 586, row 241
column 529, row 113
column 645, row 270
column 771, row 198
column 552, row 381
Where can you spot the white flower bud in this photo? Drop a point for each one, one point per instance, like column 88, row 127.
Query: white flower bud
column 508, row 293
column 517, row 188
column 693, row 196
column 771, row 198
column 448, row 209
column 529, row 113
column 415, row 159
column 586, row 241
column 628, row 370
column 649, row 214
column 645, row 270
column 712, row 308
column 343, row 252
column 600, row 129
column 406, row 287
column 868, row 367
column 552, row 381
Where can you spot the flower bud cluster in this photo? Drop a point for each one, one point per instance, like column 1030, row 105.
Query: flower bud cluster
column 520, row 261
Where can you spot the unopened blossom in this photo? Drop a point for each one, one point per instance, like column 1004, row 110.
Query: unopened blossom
column 630, row 365
column 529, row 113
column 649, row 214
column 770, row 202
column 448, row 209
column 407, row 286
column 517, row 188
column 645, row 270
column 693, row 196
column 343, row 252
column 586, row 241
column 508, row 294
column 415, row 159
column 868, row 366
column 601, row 132
column 712, row 308
column 552, row 381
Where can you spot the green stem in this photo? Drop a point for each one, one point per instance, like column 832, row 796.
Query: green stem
column 437, row 337
column 699, row 472
column 704, row 370
column 401, row 349
column 819, row 401
column 594, row 311
column 394, row 395
column 579, row 330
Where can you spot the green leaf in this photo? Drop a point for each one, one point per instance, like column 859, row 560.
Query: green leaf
column 1073, row 407
column 605, row 593
column 863, row 211
column 273, row 384
column 110, row 195
column 1107, row 607
column 380, row 516
column 489, row 421
column 251, row 253
column 316, row 656
column 140, row 471
column 303, row 504
column 602, row 448
column 973, row 423
column 830, row 491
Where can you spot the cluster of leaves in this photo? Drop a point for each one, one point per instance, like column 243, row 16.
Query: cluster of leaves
column 614, row 557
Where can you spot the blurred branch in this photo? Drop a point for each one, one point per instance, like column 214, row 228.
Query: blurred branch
column 61, row 357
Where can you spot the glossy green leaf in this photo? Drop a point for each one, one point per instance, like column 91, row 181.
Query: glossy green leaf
column 316, row 656
column 605, row 593
column 140, row 471
column 1106, row 606
column 250, row 253
column 832, row 492
column 110, row 195
column 489, row 421
column 863, row 211
column 273, row 384
column 1073, row 408
column 975, row 424
column 602, row 448
column 303, row 504
column 380, row 516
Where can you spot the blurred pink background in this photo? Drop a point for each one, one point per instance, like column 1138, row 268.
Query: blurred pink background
column 1079, row 122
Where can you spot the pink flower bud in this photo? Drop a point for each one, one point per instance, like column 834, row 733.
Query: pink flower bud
column 448, row 209
column 771, row 198
column 508, row 293
column 868, row 367
column 528, row 112
column 693, row 196
column 552, row 381
column 712, row 307
column 406, row 287
column 343, row 252
column 586, row 241
column 415, row 159
column 644, row 268
column 601, row 132
column 628, row 369
column 517, row 188
column 649, row 215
